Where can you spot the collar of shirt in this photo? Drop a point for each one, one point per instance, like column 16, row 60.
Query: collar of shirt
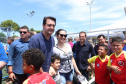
column 83, row 44
column 44, row 37
column 20, row 40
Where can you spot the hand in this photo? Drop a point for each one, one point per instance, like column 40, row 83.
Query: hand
column 89, row 68
column 78, row 72
column 116, row 69
column 12, row 76
column 52, row 71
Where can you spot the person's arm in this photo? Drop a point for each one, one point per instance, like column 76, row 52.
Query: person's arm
column 33, row 43
column 52, row 72
column 92, row 66
column 91, row 62
column 10, row 62
column 3, row 57
column 114, row 68
column 75, row 67
column 2, row 64
column 7, row 53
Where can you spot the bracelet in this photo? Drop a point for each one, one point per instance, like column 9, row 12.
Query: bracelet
column 10, row 72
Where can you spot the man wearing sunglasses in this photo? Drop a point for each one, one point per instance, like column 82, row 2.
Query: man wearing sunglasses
column 44, row 41
column 15, row 59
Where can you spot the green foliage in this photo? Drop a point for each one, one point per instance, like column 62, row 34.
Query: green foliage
column 14, row 36
column 2, row 37
column 38, row 31
column 32, row 29
column 9, row 23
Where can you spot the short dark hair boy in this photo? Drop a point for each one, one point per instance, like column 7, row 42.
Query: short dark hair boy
column 33, row 59
column 102, row 75
column 55, row 65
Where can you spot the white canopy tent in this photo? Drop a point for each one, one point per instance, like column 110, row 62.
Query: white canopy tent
column 110, row 30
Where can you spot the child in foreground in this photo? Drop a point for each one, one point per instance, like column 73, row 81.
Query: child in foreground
column 117, row 62
column 102, row 75
column 55, row 65
column 33, row 59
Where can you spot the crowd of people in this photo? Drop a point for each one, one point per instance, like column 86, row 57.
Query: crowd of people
column 38, row 59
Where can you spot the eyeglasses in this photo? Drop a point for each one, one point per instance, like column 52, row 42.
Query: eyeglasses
column 23, row 32
column 65, row 35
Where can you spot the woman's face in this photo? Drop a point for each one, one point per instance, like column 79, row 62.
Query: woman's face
column 62, row 37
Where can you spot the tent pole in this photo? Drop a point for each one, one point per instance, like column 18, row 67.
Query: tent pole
column 108, row 35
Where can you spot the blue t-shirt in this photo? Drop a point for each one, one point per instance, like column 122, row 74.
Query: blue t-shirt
column 3, row 56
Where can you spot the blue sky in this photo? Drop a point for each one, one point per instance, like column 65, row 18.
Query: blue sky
column 71, row 15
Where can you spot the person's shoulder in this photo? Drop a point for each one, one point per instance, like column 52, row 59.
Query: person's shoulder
column 36, row 36
column 26, row 81
column 45, row 74
column 15, row 42
column 113, row 54
column 67, row 44
column 77, row 43
column 96, row 56
column 107, row 56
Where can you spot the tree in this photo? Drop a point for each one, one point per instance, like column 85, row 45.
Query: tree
column 38, row 31
column 3, row 38
column 14, row 36
column 9, row 23
column 32, row 29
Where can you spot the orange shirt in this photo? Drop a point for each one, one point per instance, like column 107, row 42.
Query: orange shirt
column 102, row 75
column 119, row 61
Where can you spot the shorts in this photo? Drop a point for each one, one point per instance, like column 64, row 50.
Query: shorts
column 66, row 77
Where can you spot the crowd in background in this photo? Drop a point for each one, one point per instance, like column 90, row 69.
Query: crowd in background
column 37, row 58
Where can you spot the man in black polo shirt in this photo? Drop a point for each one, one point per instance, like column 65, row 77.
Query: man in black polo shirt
column 83, row 49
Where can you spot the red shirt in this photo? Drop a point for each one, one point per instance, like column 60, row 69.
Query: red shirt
column 102, row 75
column 40, row 78
column 119, row 61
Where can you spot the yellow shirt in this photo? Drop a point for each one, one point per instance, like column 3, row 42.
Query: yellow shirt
column 109, row 62
column 92, row 60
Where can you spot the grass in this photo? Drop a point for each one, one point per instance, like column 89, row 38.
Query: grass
column 4, row 74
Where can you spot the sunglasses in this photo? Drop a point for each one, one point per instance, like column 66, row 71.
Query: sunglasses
column 65, row 35
column 23, row 32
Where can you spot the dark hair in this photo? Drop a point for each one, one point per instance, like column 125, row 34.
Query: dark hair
column 58, row 31
column 70, row 39
column 25, row 27
column 34, row 57
column 117, row 39
column 105, row 46
column 83, row 32
column 49, row 17
column 11, row 38
column 54, row 57
column 101, row 35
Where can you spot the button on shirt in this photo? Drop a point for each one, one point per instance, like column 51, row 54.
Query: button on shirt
column 82, row 54
column 15, row 55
